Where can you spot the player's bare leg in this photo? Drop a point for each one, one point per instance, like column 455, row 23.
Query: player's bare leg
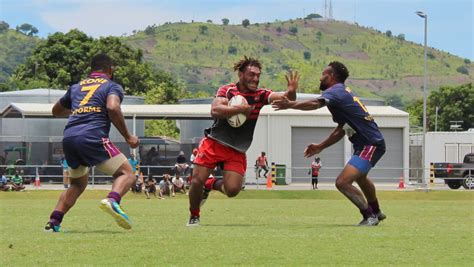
column 200, row 175
column 230, row 185
column 68, row 198
column 344, row 184
column 66, row 202
column 124, row 179
column 368, row 188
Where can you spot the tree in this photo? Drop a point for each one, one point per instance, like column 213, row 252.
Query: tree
column 463, row 70
column 209, row 21
column 27, row 29
column 245, row 23
column 388, row 33
column 203, row 29
column 395, row 101
column 293, row 29
column 307, row 55
column 401, row 37
column 150, row 30
column 313, row 16
column 232, row 50
column 4, row 26
column 319, row 35
column 454, row 102
column 63, row 59
column 225, row 21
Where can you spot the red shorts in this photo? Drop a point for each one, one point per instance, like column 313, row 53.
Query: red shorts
column 211, row 153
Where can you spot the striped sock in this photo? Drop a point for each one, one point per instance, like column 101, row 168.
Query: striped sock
column 56, row 217
column 115, row 196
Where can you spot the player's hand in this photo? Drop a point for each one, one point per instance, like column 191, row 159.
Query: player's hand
column 282, row 103
column 292, row 78
column 312, row 149
column 133, row 141
column 245, row 108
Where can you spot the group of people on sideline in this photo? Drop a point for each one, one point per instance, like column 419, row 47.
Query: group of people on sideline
column 168, row 185
column 16, row 182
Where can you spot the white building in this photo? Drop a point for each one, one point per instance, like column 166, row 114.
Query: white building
column 283, row 135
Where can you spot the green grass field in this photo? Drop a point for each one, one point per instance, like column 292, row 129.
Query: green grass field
column 291, row 228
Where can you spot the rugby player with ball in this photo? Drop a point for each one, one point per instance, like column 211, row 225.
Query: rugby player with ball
column 235, row 110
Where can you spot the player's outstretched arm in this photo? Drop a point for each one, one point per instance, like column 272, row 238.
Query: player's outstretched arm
column 313, row 149
column 292, row 78
column 60, row 111
column 285, row 103
column 221, row 110
column 116, row 116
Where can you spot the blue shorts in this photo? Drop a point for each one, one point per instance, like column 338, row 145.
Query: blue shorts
column 87, row 151
column 366, row 156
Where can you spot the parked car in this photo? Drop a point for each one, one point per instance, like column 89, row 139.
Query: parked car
column 456, row 175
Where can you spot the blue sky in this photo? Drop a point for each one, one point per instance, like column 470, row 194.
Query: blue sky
column 450, row 22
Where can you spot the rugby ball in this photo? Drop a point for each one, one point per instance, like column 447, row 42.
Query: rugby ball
column 238, row 119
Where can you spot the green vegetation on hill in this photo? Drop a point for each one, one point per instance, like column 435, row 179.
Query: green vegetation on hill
column 202, row 55
column 14, row 49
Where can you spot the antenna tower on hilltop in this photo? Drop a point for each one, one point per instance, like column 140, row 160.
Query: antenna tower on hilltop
column 330, row 10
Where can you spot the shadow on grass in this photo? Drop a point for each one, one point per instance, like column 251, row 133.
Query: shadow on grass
column 325, row 225
column 69, row 232
column 235, row 225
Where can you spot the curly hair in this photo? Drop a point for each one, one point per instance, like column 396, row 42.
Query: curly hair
column 101, row 62
column 247, row 61
column 340, row 71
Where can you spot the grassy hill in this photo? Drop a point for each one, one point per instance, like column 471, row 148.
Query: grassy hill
column 202, row 56
column 14, row 49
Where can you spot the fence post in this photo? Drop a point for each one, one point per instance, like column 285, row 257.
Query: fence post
column 93, row 176
column 432, row 174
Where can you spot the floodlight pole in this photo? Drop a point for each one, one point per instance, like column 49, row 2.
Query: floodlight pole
column 423, row 157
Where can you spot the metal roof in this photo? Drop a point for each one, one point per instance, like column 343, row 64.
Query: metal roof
column 173, row 112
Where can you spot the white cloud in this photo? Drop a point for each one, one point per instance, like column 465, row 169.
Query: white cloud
column 112, row 17
column 103, row 19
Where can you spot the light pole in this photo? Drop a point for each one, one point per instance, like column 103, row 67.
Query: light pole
column 424, row 16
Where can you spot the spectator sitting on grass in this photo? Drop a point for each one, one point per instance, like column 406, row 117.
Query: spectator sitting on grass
column 178, row 184
column 17, row 182
column 4, row 183
column 166, row 188
column 138, row 185
column 150, row 187
column 181, row 166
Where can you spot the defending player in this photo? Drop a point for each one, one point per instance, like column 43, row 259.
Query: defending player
column 354, row 120
column 92, row 105
column 226, row 145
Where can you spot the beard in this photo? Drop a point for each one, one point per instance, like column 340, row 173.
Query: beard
column 323, row 86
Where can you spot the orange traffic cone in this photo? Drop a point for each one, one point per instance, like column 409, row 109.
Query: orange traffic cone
column 269, row 181
column 401, row 184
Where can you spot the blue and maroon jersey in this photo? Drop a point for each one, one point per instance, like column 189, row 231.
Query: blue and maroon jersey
column 345, row 107
column 239, row 138
column 88, row 103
